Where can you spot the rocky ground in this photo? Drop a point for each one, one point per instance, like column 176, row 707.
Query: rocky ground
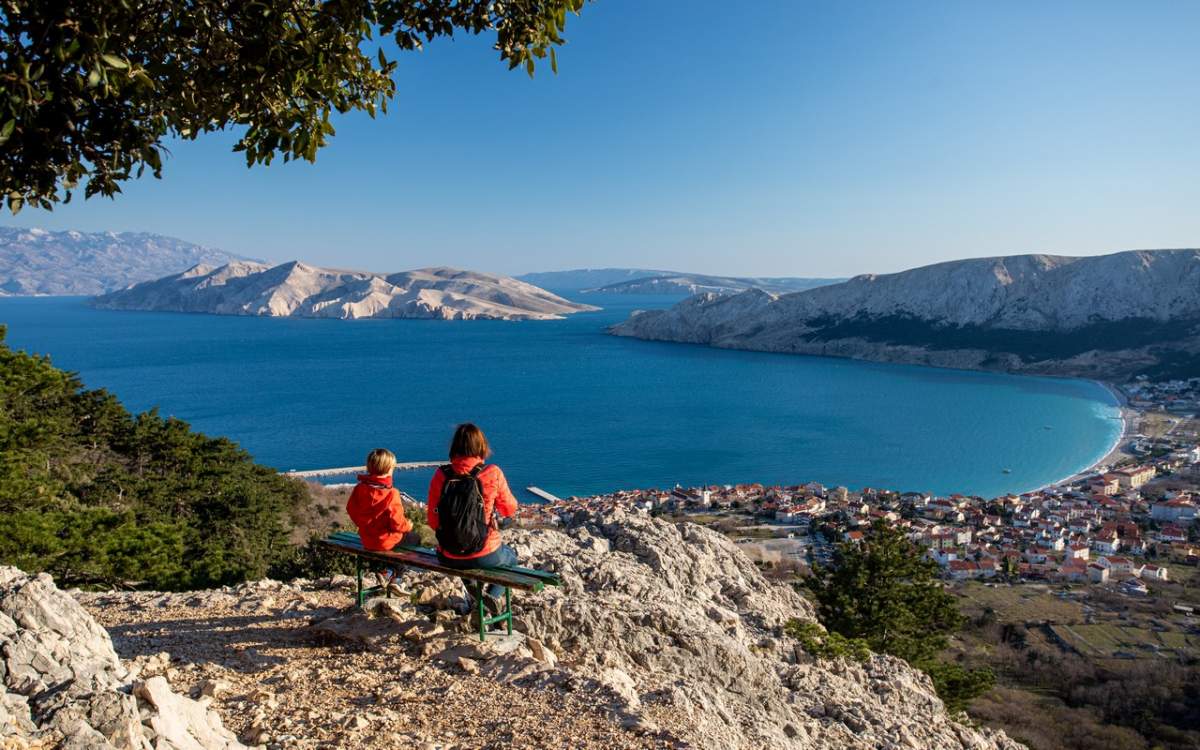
column 662, row 635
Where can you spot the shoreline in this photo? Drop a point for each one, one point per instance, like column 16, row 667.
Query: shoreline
column 1129, row 422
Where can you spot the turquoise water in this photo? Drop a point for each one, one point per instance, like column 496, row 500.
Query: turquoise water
column 571, row 409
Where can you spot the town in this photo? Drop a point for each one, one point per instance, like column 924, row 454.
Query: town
column 1118, row 525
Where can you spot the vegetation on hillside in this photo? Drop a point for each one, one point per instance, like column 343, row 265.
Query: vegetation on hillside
column 92, row 89
column 95, row 495
column 884, row 593
column 1052, row 695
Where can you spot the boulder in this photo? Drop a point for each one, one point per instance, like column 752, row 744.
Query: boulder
column 64, row 685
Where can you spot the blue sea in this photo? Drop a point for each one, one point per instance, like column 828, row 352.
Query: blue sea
column 571, row 409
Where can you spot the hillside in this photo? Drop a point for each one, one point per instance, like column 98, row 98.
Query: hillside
column 297, row 289
column 646, row 281
column 1110, row 316
column 699, row 283
column 96, row 495
column 35, row 261
column 662, row 636
column 586, row 278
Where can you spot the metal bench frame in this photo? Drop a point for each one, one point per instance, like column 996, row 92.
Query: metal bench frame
column 509, row 577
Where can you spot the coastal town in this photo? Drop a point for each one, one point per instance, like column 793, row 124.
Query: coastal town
column 1125, row 523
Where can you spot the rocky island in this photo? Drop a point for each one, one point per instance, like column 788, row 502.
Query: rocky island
column 299, row 290
column 1110, row 317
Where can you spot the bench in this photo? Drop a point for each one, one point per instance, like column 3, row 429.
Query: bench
column 510, row 577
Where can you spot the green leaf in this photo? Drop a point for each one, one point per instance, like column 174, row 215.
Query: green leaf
column 114, row 62
column 93, row 78
column 7, row 130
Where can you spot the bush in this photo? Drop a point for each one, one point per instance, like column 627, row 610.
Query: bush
column 817, row 641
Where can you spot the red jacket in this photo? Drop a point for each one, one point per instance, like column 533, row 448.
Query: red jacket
column 375, row 508
column 496, row 497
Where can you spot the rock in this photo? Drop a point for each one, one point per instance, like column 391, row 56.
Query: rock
column 541, row 652
column 63, row 679
column 674, row 615
column 421, row 630
column 180, row 723
column 470, row 666
column 213, row 688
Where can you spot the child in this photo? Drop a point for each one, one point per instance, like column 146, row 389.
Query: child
column 374, row 505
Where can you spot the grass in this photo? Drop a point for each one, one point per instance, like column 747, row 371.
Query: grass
column 1021, row 603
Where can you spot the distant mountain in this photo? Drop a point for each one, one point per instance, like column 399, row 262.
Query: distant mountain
column 35, row 261
column 299, row 290
column 698, row 284
column 646, row 281
column 1110, row 316
column 586, row 278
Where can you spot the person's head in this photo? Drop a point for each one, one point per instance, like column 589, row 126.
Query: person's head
column 380, row 461
column 469, row 442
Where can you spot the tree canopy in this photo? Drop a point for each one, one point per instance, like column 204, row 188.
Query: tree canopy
column 93, row 88
column 95, row 495
column 883, row 592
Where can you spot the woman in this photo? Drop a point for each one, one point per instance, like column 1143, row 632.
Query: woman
column 465, row 496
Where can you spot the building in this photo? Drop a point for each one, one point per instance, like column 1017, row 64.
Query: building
column 1178, row 510
column 1154, row 573
column 1133, row 478
column 1097, row 573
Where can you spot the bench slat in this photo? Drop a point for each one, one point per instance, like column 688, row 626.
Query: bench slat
column 551, row 579
column 430, row 562
column 351, row 539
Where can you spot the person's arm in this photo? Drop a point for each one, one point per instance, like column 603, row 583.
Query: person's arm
column 506, row 503
column 435, row 494
column 400, row 522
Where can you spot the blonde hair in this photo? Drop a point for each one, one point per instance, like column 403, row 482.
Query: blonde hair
column 380, row 461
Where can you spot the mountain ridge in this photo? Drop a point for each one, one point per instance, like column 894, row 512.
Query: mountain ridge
column 649, row 281
column 37, row 262
column 1107, row 316
column 694, row 283
column 297, row 289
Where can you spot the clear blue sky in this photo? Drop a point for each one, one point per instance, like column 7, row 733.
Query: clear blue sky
column 787, row 138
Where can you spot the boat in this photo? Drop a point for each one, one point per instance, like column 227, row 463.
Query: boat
column 1007, row 471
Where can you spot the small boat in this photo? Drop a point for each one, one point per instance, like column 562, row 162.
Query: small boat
column 1007, row 471
column 1047, row 427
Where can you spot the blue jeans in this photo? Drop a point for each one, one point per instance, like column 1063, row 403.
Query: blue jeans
column 498, row 558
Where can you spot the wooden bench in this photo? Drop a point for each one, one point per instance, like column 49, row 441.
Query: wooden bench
column 510, row 577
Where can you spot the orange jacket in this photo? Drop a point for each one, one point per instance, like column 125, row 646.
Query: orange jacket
column 496, row 498
column 375, row 508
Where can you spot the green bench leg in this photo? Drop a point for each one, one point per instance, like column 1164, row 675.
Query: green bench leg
column 362, row 594
column 484, row 621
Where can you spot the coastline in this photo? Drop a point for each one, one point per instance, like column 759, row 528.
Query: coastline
column 1129, row 423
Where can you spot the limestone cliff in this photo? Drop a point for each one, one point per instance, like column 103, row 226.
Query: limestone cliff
column 1110, row 316
column 297, row 289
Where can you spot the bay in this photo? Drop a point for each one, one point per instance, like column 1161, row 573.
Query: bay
column 571, row 409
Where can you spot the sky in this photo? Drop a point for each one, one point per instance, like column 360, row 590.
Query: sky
column 779, row 137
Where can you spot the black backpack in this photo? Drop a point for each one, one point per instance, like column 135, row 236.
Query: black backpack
column 462, row 528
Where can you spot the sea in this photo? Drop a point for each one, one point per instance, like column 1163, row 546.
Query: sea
column 571, row 409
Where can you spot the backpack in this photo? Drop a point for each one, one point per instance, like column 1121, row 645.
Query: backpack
column 462, row 528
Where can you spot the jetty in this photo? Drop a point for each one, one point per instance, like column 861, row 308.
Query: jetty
column 405, row 466
column 543, row 494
